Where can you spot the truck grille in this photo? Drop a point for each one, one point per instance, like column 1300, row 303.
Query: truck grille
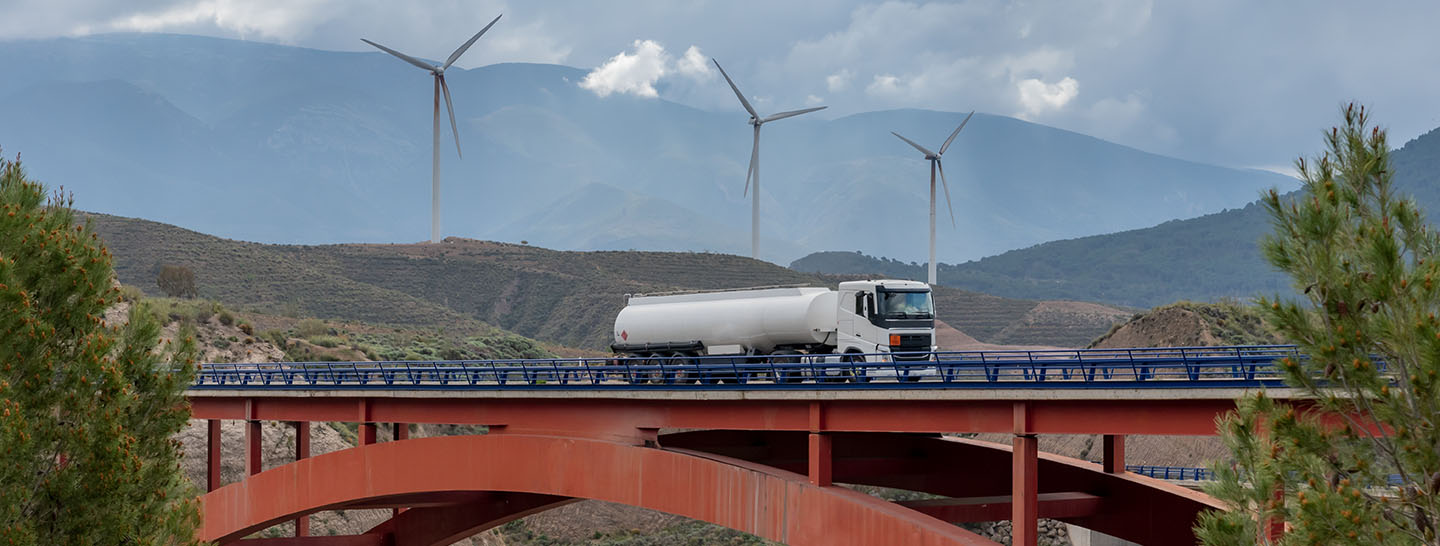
column 912, row 343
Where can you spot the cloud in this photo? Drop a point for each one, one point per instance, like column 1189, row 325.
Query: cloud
column 694, row 65
column 637, row 73
column 839, row 81
column 813, row 100
column 272, row 19
column 1038, row 97
column 632, row 73
column 884, row 84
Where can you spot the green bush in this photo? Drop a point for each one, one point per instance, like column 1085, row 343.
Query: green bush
column 328, row 342
column 226, row 318
column 311, row 327
column 131, row 293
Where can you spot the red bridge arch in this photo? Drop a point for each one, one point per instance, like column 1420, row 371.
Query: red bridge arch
column 749, row 481
column 465, row 484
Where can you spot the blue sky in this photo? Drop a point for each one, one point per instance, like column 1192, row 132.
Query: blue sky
column 1231, row 82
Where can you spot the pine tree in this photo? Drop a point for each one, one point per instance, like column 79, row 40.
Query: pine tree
column 88, row 410
column 1364, row 466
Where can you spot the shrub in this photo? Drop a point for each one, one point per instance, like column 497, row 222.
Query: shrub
column 328, row 342
column 247, row 328
column 311, row 327
column 176, row 281
column 226, row 318
column 131, row 293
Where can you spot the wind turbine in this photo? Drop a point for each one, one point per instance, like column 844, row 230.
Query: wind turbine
column 439, row 72
column 754, row 171
column 934, row 158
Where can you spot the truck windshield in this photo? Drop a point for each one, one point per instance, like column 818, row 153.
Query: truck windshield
column 906, row 304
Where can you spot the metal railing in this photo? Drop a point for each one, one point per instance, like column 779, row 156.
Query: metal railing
column 1171, row 367
column 1174, row 473
column 1190, row 473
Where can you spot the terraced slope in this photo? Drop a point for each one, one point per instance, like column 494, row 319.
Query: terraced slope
column 565, row 298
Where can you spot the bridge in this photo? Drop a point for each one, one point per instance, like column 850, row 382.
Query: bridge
column 751, row 443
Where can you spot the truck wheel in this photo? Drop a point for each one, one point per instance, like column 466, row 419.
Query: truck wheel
column 856, row 369
column 652, row 370
column 787, row 367
column 683, row 368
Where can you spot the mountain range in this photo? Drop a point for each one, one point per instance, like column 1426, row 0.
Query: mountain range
column 280, row 144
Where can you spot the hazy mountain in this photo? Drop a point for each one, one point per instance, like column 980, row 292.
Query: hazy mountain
column 281, row 144
column 1206, row 258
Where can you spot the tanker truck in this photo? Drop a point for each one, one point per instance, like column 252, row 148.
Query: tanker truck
column 888, row 320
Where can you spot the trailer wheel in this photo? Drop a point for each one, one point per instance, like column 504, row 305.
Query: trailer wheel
column 651, row 370
column 683, row 368
column 787, row 367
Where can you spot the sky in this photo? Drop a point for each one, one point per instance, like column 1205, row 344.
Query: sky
column 1231, row 82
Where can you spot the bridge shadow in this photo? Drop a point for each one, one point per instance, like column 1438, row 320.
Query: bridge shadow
column 753, row 482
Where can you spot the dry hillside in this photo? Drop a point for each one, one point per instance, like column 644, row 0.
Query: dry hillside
column 1190, row 324
column 563, row 298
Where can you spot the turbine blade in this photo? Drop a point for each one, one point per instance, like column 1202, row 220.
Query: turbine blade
column 922, row 149
column 754, row 156
column 792, row 113
column 743, row 102
column 453, row 129
column 957, row 131
column 461, row 51
column 946, row 185
column 417, row 62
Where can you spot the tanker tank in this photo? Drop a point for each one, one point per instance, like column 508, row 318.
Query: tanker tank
column 754, row 321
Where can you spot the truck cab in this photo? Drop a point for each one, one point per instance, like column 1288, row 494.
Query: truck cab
column 886, row 316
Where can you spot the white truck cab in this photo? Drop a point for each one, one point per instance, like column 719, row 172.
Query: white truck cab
column 886, row 316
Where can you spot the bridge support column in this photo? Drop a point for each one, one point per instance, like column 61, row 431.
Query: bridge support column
column 1114, row 456
column 398, row 431
column 1272, row 527
column 820, row 447
column 1024, row 495
column 820, row 459
column 212, row 455
column 302, row 451
column 252, row 447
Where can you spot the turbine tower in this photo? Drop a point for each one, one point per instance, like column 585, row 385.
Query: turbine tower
column 754, row 171
column 439, row 72
column 934, row 158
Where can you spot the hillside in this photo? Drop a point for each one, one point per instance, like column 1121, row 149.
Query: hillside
column 563, row 298
column 1204, row 259
column 280, row 144
column 1190, row 324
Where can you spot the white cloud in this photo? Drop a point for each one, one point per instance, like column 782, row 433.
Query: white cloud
column 693, row 64
column 273, row 19
column 884, row 84
column 634, row 74
column 839, row 81
column 812, row 100
column 1038, row 97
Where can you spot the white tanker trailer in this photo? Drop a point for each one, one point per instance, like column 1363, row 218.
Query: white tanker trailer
column 781, row 324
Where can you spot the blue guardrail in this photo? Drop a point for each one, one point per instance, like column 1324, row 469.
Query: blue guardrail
column 1170, row 367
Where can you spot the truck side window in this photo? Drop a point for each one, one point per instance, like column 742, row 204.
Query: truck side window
column 860, row 303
